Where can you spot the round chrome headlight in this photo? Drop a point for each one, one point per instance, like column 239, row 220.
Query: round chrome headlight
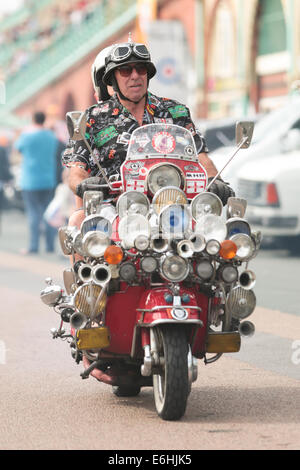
column 206, row 203
column 94, row 244
column 228, row 273
column 174, row 220
column 96, row 223
column 127, row 272
column 211, row 227
column 162, row 176
column 141, row 242
column 166, row 196
column 245, row 246
column 174, row 268
column 237, row 225
column 205, row 269
column 131, row 226
column 213, row 247
column 148, row 264
column 133, row 202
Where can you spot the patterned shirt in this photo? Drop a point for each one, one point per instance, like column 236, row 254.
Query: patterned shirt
column 109, row 128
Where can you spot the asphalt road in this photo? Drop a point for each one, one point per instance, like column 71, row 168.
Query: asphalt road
column 247, row 400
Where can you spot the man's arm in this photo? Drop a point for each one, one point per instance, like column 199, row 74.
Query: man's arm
column 76, row 176
column 208, row 164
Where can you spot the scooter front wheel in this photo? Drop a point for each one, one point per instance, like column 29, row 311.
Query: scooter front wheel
column 170, row 384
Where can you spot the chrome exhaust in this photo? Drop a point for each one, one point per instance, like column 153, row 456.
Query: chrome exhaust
column 85, row 272
column 101, row 274
column 246, row 328
column 78, row 320
column 247, row 279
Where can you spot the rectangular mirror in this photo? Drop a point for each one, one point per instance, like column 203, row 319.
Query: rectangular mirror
column 76, row 123
column 244, row 131
column 236, row 207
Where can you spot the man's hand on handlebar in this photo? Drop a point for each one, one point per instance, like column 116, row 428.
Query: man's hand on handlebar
column 89, row 184
column 221, row 189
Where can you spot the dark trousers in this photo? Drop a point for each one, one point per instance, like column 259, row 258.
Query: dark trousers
column 36, row 203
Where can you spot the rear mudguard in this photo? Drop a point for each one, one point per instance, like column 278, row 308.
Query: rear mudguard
column 158, row 307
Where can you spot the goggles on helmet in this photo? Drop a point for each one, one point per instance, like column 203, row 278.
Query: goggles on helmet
column 123, row 51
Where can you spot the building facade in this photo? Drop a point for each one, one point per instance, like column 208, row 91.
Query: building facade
column 251, row 55
column 245, row 58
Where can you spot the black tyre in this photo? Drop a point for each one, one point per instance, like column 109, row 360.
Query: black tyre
column 171, row 388
column 126, row 390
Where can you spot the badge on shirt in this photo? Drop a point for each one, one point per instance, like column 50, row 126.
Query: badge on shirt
column 105, row 135
column 178, row 111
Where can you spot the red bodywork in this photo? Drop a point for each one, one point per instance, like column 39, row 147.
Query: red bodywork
column 194, row 174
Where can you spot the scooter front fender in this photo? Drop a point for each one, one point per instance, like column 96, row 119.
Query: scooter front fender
column 157, row 307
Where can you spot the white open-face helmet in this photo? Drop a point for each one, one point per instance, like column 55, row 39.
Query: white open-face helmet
column 97, row 72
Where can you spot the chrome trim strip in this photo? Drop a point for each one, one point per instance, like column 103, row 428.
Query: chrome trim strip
column 158, row 322
column 154, row 309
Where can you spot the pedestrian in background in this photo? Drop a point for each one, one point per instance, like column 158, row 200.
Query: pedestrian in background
column 5, row 173
column 38, row 147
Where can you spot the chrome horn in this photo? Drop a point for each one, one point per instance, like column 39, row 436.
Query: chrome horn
column 159, row 244
column 198, row 242
column 101, row 274
column 78, row 320
column 85, row 272
column 185, row 248
column 247, row 279
column 246, row 328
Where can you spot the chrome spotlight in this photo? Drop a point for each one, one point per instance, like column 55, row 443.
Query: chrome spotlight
column 241, row 302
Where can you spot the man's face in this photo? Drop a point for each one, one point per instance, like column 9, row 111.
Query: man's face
column 132, row 80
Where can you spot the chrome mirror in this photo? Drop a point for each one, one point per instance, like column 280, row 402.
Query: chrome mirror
column 236, row 207
column 243, row 133
column 76, row 123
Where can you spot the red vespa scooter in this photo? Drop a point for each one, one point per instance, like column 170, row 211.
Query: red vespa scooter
column 158, row 286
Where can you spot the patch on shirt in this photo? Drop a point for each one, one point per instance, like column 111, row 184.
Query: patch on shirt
column 178, row 111
column 105, row 135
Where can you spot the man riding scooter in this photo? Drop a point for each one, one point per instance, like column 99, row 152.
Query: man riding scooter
column 128, row 70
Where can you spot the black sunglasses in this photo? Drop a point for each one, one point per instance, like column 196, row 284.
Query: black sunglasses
column 126, row 70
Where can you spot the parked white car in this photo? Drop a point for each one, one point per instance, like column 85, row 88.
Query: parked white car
column 278, row 132
column 272, row 189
